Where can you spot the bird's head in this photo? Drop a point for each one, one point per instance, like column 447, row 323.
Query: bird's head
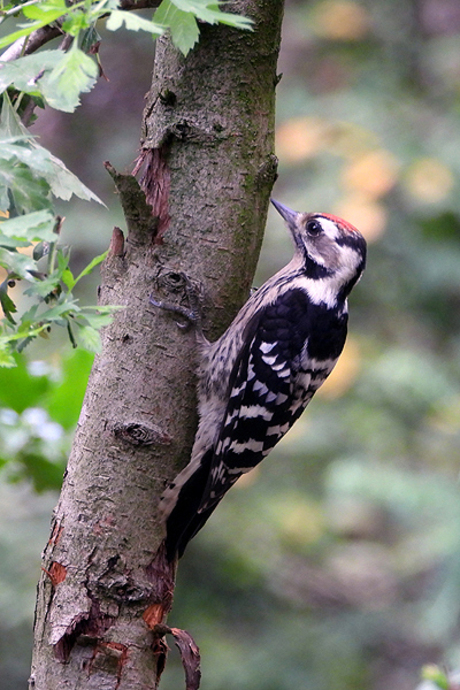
column 327, row 246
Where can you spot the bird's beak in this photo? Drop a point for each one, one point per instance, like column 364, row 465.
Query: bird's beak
column 288, row 214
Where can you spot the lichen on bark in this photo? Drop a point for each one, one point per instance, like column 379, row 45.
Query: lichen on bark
column 207, row 168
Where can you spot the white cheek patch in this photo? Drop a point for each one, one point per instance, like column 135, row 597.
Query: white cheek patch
column 348, row 259
column 329, row 227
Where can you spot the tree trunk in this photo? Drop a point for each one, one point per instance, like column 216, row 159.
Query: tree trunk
column 208, row 168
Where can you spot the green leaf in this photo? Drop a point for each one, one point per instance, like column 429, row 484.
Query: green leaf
column 46, row 11
column 33, row 227
column 68, row 278
column 75, row 23
column 12, row 242
column 19, row 264
column 40, row 164
column 64, row 183
column 45, row 286
column 62, row 308
column 92, row 264
column 98, row 320
column 133, row 23
column 26, row 73
column 89, row 338
column 208, row 11
column 7, row 360
column 90, row 38
column 182, row 25
column 29, row 191
column 20, row 190
column 76, row 73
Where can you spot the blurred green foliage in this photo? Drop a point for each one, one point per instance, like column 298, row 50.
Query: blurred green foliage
column 39, row 406
column 337, row 562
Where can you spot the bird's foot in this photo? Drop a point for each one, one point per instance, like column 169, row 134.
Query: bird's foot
column 192, row 313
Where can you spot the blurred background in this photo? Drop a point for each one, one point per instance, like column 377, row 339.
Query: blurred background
column 336, row 564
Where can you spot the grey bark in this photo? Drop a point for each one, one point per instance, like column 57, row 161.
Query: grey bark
column 208, row 168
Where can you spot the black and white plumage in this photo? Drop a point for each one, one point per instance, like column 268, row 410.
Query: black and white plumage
column 258, row 377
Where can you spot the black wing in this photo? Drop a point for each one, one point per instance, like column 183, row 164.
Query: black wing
column 265, row 398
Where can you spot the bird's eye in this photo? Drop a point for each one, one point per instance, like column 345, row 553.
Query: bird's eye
column 313, row 227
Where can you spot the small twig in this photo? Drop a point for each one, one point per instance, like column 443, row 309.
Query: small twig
column 35, row 41
column 138, row 4
column 28, row 112
column 66, row 42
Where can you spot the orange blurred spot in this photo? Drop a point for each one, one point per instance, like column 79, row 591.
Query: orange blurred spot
column 340, row 20
column 300, row 138
column 373, row 173
column 429, row 180
column 366, row 214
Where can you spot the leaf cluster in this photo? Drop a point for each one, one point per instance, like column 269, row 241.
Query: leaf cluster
column 30, row 176
column 179, row 17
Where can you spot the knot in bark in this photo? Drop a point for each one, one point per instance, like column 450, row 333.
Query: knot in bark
column 140, row 435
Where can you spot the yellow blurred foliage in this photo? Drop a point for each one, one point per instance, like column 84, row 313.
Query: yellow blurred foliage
column 373, row 173
column 341, row 20
column 345, row 372
column 429, row 180
column 303, row 523
column 300, row 138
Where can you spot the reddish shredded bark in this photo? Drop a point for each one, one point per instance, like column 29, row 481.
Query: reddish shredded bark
column 189, row 652
column 154, row 615
column 190, row 655
column 57, row 573
column 156, row 182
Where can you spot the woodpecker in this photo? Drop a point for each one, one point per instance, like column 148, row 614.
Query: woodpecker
column 257, row 378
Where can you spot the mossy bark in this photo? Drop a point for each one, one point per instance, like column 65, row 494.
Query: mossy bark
column 208, row 167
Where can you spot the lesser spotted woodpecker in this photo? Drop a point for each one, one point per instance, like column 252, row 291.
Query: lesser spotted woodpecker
column 257, row 378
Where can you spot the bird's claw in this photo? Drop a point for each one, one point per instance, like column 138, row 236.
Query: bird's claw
column 192, row 314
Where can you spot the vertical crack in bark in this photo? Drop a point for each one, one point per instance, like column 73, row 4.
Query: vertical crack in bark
column 90, row 624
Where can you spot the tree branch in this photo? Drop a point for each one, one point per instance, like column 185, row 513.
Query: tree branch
column 37, row 39
column 207, row 151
